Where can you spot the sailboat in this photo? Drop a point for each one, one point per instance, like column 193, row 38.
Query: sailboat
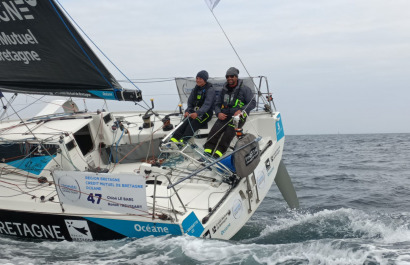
column 83, row 176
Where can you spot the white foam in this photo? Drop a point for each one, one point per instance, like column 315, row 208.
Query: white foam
column 382, row 228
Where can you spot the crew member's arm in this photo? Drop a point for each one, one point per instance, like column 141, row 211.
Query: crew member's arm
column 218, row 105
column 190, row 103
column 250, row 102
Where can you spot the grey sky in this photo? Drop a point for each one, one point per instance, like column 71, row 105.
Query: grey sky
column 335, row 66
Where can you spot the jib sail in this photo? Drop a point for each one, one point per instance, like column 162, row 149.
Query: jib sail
column 42, row 53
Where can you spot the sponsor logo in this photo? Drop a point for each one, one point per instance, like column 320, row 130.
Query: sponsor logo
column 221, row 222
column 225, row 229
column 251, row 156
column 31, row 230
column 192, row 226
column 16, row 10
column 151, row 229
column 237, row 209
column 74, row 94
column 69, row 188
column 79, row 230
column 261, row 179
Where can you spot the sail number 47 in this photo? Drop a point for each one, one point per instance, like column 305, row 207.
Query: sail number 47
column 91, row 198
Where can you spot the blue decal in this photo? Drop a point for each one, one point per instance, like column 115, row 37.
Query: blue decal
column 192, row 226
column 279, row 129
column 138, row 229
column 33, row 165
column 103, row 94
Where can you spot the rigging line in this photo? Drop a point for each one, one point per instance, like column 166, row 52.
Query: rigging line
column 146, row 82
column 142, row 106
column 153, row 78
column 22, row 108
column 35, row 137
column 231, row 45
column 6, row 107
column 79, row 45
column 140, row 143
column 234, row 49
column 172, row 94
column 96, row 45
column 145, row 103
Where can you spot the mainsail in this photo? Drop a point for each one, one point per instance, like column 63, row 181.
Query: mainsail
column 42, row 53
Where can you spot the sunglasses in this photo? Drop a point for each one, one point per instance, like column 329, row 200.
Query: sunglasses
column 229, row 76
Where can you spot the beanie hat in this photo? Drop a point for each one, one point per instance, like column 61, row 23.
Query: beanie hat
column 232, row 71
column 203, row 74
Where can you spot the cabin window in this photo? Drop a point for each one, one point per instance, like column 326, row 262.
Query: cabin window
column 84, row 140
column 107, row 118
column 70, row 146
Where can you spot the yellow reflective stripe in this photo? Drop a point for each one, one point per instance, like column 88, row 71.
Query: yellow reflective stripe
column 201, row 121
column 231, row 125
column 218, row 153
column 174, row 140
column 209, row 151
column 240, row 104
column 236, row 103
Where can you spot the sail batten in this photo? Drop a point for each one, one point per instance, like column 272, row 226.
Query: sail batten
column 41, row 52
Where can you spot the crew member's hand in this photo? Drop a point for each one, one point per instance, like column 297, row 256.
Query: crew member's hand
column 238, row 112
column 193, row 115
column 222, row 116
column 186, row 114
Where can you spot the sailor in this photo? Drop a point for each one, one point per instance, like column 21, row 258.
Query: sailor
column 200, row 108
column 235, row 99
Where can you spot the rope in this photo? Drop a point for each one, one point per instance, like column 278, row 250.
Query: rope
column 32, row 133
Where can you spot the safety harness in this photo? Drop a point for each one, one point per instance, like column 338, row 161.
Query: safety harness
column 235, row 102
column 200, row 96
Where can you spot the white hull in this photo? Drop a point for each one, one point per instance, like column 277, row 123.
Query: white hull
column 207, row 206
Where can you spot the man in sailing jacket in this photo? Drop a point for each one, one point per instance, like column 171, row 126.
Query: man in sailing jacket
column 235, row 99
column 200, row 108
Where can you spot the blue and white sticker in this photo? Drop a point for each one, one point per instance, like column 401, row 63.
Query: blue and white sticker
column 192, row 226
column 103, row 94
column 137, row 229
column 279, row 128
column 237, row 208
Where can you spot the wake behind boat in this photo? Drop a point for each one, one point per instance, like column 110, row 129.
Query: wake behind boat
column 83, row 176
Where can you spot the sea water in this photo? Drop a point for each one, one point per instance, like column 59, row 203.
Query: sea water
column 354, row 193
